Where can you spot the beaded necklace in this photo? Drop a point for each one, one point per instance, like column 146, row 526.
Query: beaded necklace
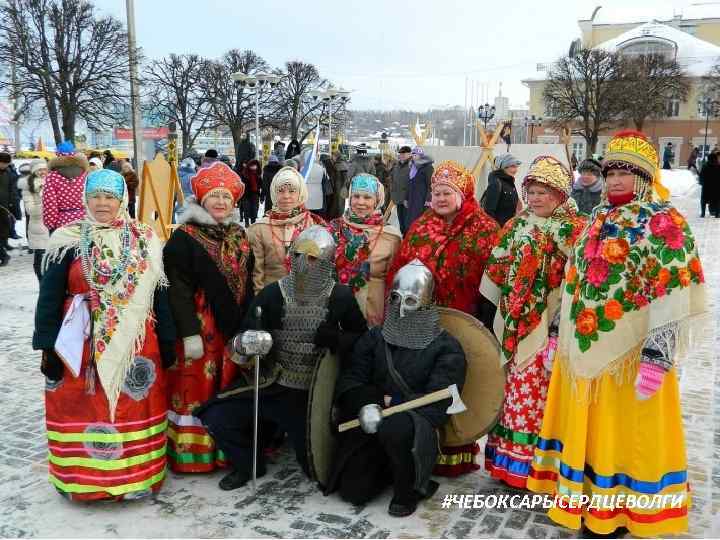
column 89, row 265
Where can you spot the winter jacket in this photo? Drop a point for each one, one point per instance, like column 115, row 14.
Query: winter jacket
column 361, row 163
column 132, row 182
column 37, row 232
column 9, row 197
column 316, row 193
column 419, row 189
column 186, row 173
column 268, row 173
column 400, row 180
column 587, row 198
column 500, row 199
column 710, row 182
column 245, row 151
column 63, row 191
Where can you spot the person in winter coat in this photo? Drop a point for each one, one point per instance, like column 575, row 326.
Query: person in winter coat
column 268, row 173
column 95, row 164
column 251, row 199
column 361, row 163
column 419, row 176
column 208, row 261
column 63, row 190
column 332, row 204
column 9, row 207
column 107, row 422
column 132, row 182
column 668, row 156
column 245, row 150
column 692, row 160
column 293, row 149
column 587, row 189
column 399, row 185
column 710, row 182
column 382, row 174
column 342, row 180
column 315, row 180
column 110, row 162
column 186, row 172
column 501, row 199
column 37, row 233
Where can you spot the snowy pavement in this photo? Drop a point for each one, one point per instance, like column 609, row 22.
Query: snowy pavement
column 287, row 504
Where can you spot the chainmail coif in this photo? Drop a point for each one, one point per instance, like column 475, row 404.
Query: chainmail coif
column 414, row 331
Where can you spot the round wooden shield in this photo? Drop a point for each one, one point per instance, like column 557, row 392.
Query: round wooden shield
column 484, row 387
column 321, row 441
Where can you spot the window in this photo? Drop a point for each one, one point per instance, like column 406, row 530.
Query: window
column 578, row 148
column 649, row 46
column 672, row 109
column 711, row 106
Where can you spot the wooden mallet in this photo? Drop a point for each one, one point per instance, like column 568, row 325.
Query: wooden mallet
column 457, row 405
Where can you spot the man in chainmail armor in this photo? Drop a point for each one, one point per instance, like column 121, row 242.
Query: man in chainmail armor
column 306, row 313
column 406, row 358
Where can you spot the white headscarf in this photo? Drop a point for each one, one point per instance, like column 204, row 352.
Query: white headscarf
column 288, row 176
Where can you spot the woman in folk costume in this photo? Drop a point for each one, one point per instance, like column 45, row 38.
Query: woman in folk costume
column 453, row 239
column 271, row 235
column 366, row 246
column 208, row 263
column 522, row 278
column 106, row 418
column 612, row 422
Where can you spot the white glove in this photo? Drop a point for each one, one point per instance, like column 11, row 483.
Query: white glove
column 370, row 417
column 193, row 347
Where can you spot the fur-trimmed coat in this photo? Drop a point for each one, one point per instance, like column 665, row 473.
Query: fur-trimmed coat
column 63, row 191
column 216, row 259
column 37, row 233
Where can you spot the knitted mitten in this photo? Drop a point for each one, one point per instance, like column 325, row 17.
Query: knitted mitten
column 648, row 381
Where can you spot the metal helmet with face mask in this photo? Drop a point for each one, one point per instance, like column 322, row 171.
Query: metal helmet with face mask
column 413, row 287
column 312, row 263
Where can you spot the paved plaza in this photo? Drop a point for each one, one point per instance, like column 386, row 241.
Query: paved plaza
column 287, row 504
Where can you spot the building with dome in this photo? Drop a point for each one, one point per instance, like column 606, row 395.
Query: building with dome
column 691, row 37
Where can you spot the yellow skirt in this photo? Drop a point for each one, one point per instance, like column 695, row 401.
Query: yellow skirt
column 599, row 440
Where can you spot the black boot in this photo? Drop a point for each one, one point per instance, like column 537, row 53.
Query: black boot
column 237, row 479
column 402, row 507
column 4, row 259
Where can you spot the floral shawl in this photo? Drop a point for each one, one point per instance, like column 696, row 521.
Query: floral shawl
column 523, row 277
column 123, row 265
column 354, row 240
column 454, row 252
column 635, row 269
column 226, row 244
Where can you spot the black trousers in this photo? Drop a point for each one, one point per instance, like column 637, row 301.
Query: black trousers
column 386, row 459
column 402, row 217
column 230, row 423
column 37, row 262
column 250, row 204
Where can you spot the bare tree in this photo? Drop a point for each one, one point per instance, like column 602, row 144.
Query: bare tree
column 230, row 104
column 173, row 92
column 301, row 110
column 67, row 57
column 654, row 85
column 583, row 91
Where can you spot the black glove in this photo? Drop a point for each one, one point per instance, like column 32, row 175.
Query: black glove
column 327, row 336
column 51, row 365
column 167, row 353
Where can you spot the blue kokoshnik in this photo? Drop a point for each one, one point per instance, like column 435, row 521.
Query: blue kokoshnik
column 105, row 181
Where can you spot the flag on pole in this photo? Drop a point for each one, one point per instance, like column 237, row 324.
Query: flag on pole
column 310, row 161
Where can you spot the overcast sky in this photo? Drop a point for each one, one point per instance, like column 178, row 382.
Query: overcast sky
column 391, row 53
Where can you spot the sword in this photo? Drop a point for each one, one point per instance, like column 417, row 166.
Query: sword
column 256, row 399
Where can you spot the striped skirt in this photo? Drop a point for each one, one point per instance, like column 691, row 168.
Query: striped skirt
column 92, row 458
column 625, row 458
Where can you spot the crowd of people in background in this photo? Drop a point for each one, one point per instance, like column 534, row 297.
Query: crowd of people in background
column 534, row 259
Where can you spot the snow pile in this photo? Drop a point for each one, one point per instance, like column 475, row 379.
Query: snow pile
column 680, row 182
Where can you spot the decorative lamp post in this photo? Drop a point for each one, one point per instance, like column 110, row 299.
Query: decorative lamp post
column 261, row 80
column 486, row 113
column 344, row 96
column 710, row 106
column 532, row 122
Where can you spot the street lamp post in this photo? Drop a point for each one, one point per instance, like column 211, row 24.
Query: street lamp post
column 486, row 113
column 531, row 123
column 257, row 81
